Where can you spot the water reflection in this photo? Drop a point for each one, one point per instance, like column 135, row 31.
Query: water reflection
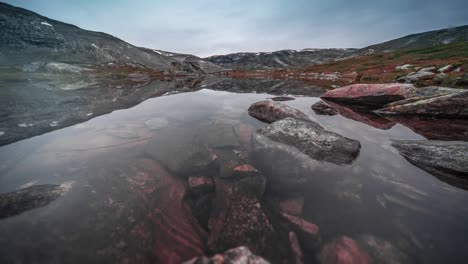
column 172, row 178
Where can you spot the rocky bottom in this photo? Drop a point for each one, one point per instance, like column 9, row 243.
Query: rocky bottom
column 197, row 178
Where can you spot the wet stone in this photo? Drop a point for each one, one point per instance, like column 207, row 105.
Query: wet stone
column 313, row 140
column 271, row 111
column 447, row 160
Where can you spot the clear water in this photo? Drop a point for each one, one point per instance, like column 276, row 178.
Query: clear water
column 379, row 194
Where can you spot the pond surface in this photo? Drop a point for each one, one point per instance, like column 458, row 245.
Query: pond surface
column 123, row 188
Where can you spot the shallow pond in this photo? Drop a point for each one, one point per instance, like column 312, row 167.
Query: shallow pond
column 123, row 200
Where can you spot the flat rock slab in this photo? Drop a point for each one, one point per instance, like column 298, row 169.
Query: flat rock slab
column 447, row 160
column 426, row 93
column 453, row 105
column 313, row 140
column 370, row 95
column 271, row 111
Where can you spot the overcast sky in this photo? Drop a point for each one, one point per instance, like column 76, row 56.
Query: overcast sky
column 208, row 27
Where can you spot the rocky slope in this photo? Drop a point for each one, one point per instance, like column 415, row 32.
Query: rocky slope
column 279, row 59
column 423, row 40
column 26, row 37
column 288, row 59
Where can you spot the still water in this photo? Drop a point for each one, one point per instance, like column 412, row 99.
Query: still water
column 123, row 198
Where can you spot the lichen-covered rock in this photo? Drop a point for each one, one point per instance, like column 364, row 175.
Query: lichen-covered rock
column 452, row 105
column 313, row 140
column 239, row 255
column 271, row 111
column 370, row 95
column 447, row 160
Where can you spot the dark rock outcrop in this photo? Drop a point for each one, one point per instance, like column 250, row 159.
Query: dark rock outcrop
column 446, row 160
column 453, row 105
column 370, row 95
column 22, row 200
column 239, row 255
column 271, row 111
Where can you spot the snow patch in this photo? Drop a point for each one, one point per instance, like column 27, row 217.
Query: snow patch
column 46, row 24
column 2, row 133
column 158, row 52
column 94, row 46
column 53, row 124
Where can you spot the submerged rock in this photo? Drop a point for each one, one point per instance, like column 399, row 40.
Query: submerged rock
column 313, row 140
column 452, row 105
column 238, row 217
column 382, row 251
column 343, row 250
column 22, row 200
column 370, row 95
column 239, row 255
column 271, row 111
column 446, row 160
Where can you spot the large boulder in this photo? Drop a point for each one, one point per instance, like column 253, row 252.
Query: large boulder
column 239, row 255
column 447, row 160
column 271, row 111
column 452, row 105
column 313, row 140
column 370, row 95
column 289, row 151
column 426, row 93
